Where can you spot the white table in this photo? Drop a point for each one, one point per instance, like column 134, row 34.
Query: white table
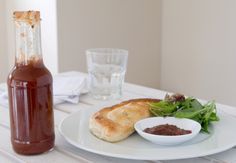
column 66, row 153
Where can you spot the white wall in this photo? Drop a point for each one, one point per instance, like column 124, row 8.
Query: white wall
column 48, row 29
column 131, row 24
column 3, row 40
column 199, row 48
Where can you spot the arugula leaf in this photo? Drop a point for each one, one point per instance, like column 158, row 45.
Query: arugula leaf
column 188, row 113
column 163, row 108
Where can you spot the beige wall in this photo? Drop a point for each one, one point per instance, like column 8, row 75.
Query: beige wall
column 3, row 40
column 199, row 48
column 131, row 24
column 186, row 46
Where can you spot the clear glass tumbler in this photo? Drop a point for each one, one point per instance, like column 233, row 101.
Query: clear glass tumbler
column 106, row 68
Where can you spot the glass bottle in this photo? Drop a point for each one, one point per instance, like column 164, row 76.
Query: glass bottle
column 30, row 90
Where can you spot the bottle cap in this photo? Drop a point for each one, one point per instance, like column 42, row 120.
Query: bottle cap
column 32, row 17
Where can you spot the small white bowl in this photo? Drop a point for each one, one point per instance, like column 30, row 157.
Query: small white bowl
column 182, row 123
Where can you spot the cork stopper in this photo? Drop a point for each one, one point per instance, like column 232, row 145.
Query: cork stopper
column 31, row 17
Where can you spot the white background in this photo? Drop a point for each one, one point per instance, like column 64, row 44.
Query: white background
column 48, row 30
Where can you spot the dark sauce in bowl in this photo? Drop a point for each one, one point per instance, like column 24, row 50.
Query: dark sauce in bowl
column 167, row 130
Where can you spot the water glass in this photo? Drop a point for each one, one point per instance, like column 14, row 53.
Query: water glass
column 106, row 69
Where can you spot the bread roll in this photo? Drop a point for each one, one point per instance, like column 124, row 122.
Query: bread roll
column 116, row 123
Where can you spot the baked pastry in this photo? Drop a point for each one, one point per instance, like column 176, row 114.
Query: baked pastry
column 116, row 123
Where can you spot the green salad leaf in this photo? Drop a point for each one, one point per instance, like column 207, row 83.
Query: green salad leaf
column 186, row 108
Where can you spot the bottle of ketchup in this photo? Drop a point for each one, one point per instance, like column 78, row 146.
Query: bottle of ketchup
column 30, row 90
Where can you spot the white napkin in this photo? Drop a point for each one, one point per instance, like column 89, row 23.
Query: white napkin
column 3, row 95
column 67, row 87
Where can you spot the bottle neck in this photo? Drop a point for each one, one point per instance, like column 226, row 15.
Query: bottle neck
column 28, row 44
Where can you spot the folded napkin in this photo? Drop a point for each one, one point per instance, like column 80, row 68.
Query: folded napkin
column 67, row 87
column 3, row 95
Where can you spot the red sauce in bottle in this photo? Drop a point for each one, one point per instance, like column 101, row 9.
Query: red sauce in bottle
column 30, row 90
column 31, row 108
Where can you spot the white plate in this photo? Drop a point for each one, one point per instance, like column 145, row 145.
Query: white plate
column 75, row 130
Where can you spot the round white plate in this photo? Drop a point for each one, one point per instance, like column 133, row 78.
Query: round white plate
column 75, row 130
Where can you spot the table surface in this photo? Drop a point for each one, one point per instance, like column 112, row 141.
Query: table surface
column 66, row 153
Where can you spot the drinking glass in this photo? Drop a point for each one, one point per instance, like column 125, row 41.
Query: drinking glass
column 106, row 69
